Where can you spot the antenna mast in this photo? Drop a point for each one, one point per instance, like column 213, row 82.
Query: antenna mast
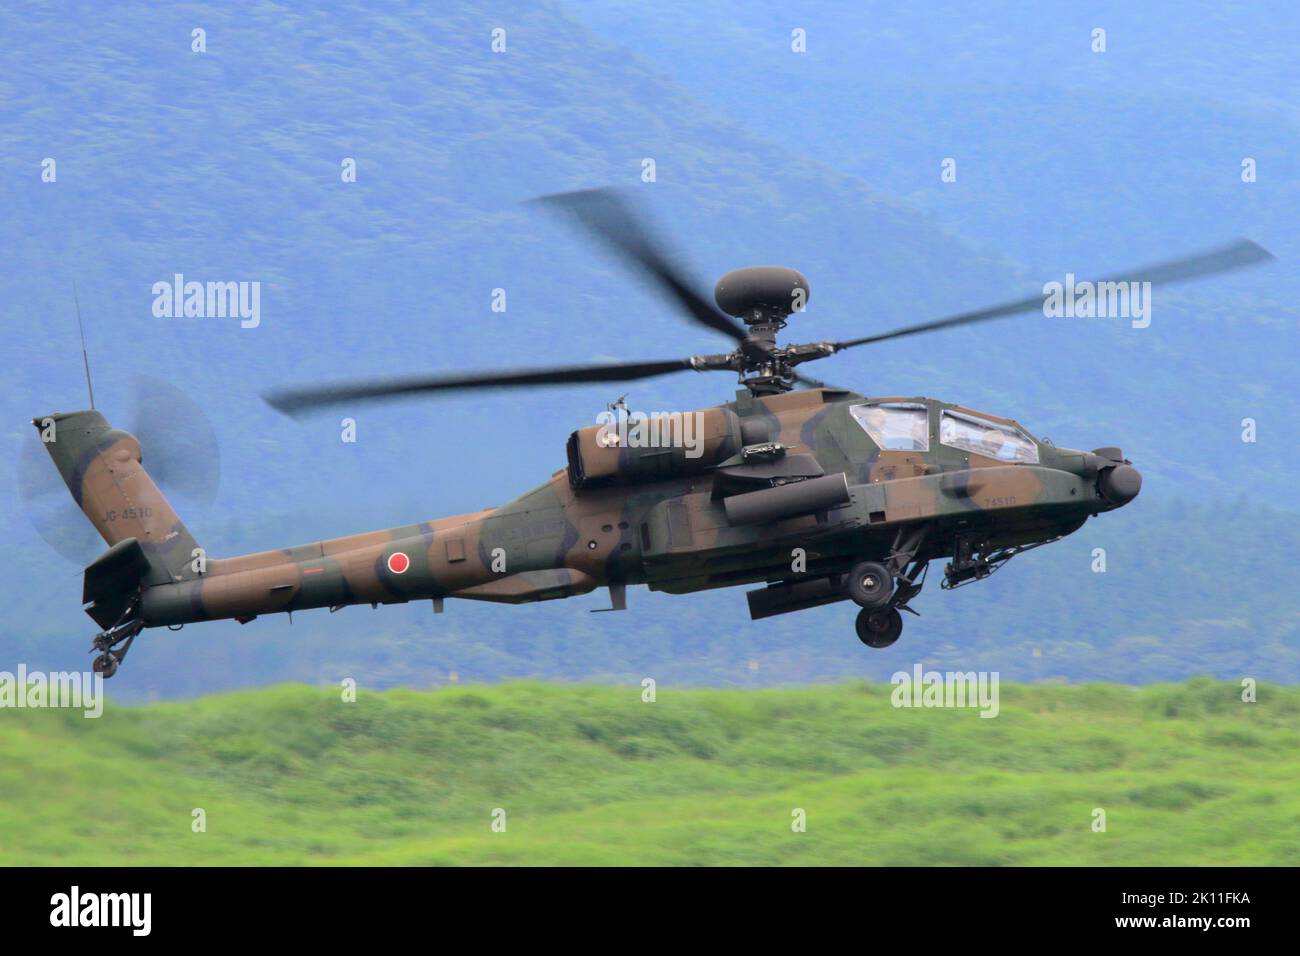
column 85, row 359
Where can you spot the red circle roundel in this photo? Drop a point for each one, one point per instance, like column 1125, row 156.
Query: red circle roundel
column 398, row 562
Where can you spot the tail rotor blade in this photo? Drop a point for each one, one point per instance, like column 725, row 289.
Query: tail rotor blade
column 178, row 446
column 177, row 443
column 49, row 507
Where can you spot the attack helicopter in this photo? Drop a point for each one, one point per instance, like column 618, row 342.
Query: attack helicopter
column 816, row 494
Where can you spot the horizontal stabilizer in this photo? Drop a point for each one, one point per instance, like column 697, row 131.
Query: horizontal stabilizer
column 111, row 581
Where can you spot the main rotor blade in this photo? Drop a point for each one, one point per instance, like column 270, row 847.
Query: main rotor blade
column 1235, row 255
column 298, row 400
column 613, row 223
column 807, row 381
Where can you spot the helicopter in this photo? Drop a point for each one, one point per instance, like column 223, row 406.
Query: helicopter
column 814, row 493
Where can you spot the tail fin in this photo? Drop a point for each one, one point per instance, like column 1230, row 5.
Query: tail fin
column 102, row 468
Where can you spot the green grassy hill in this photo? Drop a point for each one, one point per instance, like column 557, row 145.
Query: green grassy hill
column 1187, row 774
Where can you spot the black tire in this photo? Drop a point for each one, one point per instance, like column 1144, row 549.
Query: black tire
column 106, row 665
column 879, row 628
column 870, row 585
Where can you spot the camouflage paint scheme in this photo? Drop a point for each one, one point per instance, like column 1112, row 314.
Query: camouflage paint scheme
column 656, row 521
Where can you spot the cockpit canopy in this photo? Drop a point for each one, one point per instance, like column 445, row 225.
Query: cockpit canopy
column 895, row 426
column 906, row 426
column 984, row 437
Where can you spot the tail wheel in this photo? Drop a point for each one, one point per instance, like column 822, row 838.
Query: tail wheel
column 879, row 628
column 106, row 665
column 870, row 585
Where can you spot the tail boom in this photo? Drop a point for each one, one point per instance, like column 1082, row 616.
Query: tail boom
column 424, row 561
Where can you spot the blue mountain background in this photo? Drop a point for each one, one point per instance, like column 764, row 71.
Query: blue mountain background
column 225, row 165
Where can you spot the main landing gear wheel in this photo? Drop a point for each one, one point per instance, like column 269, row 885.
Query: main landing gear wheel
column 870, row 585
column 879, row 628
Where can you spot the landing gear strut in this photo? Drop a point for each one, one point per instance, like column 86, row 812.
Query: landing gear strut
column 871, row 585
column 115, row 642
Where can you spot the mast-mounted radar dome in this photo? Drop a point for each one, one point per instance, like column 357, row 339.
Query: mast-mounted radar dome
column 762, row 293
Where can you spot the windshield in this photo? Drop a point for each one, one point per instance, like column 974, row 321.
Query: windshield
column 895, row 426
column 983, row 437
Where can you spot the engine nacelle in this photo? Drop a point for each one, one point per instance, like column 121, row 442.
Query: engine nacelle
column 632, row 448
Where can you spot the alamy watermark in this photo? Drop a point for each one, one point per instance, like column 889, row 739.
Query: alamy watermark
column 620, row 428
column 37, row 689
column 1101, row 300
column 922, row 688
column 179, row 299
column 76, row 909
